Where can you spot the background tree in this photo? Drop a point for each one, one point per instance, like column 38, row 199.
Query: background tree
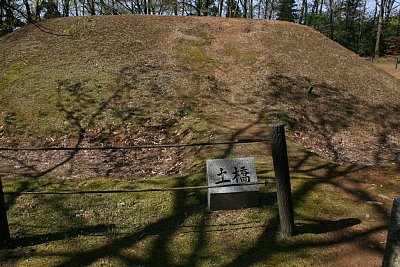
column 286, row 10
column 366, row 27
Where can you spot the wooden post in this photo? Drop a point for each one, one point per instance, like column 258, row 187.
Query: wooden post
column 4, row 230
column 281, row 169
column 392, row 251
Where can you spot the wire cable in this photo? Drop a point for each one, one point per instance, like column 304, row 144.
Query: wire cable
column 266, row 182
column 240, row 141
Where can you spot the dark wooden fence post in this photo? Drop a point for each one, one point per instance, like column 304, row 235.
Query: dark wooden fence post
column 281, row 168
column 392, row 251
column 4, row 230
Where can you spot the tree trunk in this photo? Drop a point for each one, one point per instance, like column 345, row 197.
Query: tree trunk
column 76, row 8
column 145, row 6
column 320, row 9
column 83, row 7
column 198, row 7
column 4, row 228
column 282, row 177
column 375, row 11
column 361, row 25
column 28, row 12
column 138, row 6
column 66, row 5
column 379, row 31
column 271, row 9
column 251, row 8
column 244, row 8
column 9, row 17
column 183, row 8
column 207, row 6
column 389, row 8
column 266, row 9
column 236, row 9
column 303, row 11
column 314, row 10
column 176, row 6
column 331, row 26
column 392, row 251
column 1, row 13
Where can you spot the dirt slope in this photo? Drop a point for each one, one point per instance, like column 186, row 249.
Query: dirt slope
column 121, row 79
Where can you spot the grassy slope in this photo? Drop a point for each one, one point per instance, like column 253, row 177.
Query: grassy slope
column 197, row 76
column 388, row 64
column 336, row 225
column 136, row 79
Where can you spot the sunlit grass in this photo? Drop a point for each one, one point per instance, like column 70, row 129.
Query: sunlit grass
column 175, row 228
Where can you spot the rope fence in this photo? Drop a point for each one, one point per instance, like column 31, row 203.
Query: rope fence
column 279, row 156
column 266, row 182
column 240, row 141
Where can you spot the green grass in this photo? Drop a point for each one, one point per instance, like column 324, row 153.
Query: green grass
column 101, row 101
column 193, row 57
column 195, row 84
column 175, row 228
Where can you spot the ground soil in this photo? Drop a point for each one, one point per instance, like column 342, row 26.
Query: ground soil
column 388, row 64
column 234, row 75
column 210, row 70
column 367, row 250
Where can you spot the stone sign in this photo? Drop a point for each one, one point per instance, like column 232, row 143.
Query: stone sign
column 236, row 173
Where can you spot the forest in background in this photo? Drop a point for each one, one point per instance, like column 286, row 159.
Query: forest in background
column 367, row 27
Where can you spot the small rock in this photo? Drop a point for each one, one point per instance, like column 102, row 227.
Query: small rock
column 375, row 203
column 384, row 197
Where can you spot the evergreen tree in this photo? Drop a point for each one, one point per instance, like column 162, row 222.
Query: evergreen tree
column 286, row 10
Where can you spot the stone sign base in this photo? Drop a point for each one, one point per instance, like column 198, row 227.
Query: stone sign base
column 233, row 201
column 237, row 176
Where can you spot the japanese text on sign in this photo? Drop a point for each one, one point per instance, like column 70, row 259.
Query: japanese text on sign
column 239, row 175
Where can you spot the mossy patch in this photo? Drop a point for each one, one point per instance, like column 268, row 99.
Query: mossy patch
column 16, row 71
column 11, row 74
column 176, row 227
column 78, row 27
column 194, row 124
column 194, row 58
column 248, row 58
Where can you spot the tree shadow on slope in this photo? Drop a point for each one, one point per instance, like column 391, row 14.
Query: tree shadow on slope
column 87, row 230
column 327, row 111
column 267, row 245
column 98, row 116
column 162, row 230
column 333, row 175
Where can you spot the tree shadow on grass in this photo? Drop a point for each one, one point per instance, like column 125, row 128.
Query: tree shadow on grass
column 68, row 233
column 162, row 230
column 325, row 226
column 90, row 118
column 330, row 118
column 267, row 245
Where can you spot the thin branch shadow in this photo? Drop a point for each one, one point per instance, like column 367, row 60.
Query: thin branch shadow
column 325, row 226
column 69, row 233
column 268, row 243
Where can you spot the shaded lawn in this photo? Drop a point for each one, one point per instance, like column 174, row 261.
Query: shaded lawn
column 175, row 229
